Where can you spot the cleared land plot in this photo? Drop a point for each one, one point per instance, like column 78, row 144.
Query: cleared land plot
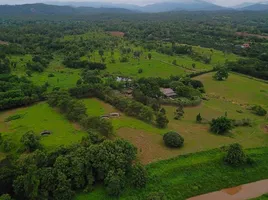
column 38, row 118
column 3, row 43
column 237, row 88
column 148, row 139
column 244, row 34
column 190, row 175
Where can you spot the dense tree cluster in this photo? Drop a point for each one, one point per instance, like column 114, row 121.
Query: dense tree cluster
column 76, row 111
column 58, row 174
column 16, row 92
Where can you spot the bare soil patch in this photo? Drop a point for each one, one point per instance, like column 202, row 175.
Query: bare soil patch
column 244, row 34
column 233, row 190
column 150, row 146
column 265, row 128
column 243, row 192
column 3, row 42
column 117, row 33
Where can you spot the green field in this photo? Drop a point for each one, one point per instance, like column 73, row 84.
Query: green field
column 63, row 77
column 237, row 88
column 38, row 118
column 193, row 174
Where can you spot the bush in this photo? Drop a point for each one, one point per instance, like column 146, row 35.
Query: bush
column 114, row 183
column 156, row 196
column 235, row 155
column 258, row 110
column 161, row 120
column 138, row 176
column 30, row 141
column 50, row 75
column 221, row 125
column 173, row 140
column 199, row 118
column 221, row 74
column 5, row 197
column 13, row 117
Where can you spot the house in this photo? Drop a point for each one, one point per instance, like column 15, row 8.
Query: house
column 245, row 46
column 168, row 92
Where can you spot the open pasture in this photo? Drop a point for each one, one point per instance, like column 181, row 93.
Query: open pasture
column 148, row 139
column 239, row 89
column 38, row 118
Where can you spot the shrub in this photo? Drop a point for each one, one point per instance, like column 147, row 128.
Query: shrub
column 156, row 196
column 173, row 139
column 198, row 118
column 235, row 155
column 221, row 125
column 30, row 141
column 13, row 117
column 5, row 197
column 138, row 176
column 161, row 120
column 221, row 74
column 115, row 182
column 258, row 110
column 140, row 71
column 50, row 75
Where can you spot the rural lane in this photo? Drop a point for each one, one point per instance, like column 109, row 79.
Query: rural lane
column 243, row 192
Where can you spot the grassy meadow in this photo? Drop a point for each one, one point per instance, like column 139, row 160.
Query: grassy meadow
column 38, row 118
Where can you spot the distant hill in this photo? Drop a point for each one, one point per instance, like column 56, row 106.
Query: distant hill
column 191, row 5
column 187, row 5
column 44, row 9
column 256, row 7
column 243, row 5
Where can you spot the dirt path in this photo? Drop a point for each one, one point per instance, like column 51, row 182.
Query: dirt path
column 243, row 192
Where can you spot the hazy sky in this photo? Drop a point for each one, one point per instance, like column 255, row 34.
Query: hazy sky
column 138, row 2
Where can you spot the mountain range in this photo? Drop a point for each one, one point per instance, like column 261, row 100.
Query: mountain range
column 69, row 8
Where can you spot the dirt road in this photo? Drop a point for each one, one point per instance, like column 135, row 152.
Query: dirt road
column 243, row 192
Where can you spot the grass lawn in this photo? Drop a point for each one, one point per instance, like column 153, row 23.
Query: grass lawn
column 38, row 118
column 237, row 88
column 63, row 77
column 190, row 175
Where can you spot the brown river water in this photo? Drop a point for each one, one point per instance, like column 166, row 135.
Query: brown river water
column 242, row 192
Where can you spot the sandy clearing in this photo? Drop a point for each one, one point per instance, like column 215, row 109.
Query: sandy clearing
column 243, row 192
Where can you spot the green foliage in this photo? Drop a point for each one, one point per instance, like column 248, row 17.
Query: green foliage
column 4, row 66
column 173, row 140
column 221, row 125
column 156, row 196
column 235, row 155
column 30, row 141
column 149, row 56
column 13, row 117
column 139, row 176
column 221, row 74
column 5, row 197
column 199, row 118
column 1, row 138
column 179, row 112
column 115, row 183
column 161, row 120
column 258, row 110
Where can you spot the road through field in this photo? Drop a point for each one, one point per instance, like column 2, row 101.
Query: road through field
column 243, row 192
